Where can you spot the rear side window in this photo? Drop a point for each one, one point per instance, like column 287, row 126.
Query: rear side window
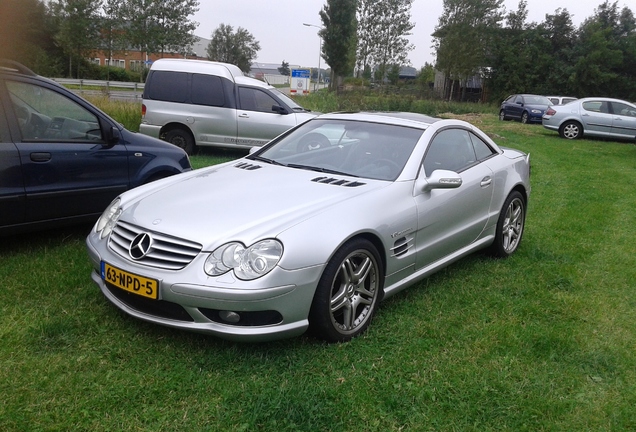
column 596, row 106
column 167, row 86
column 482, row 150
column 207, row 90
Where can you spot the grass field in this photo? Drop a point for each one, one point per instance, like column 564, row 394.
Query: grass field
column 543, row 341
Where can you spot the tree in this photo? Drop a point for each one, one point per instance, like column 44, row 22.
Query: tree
column 339, row 37
column 155, row 26
column 284, row 68
column 238, row 48
column 464, row 36
column 27, row 32
column 604, row 46
column 79, row 31
column 176, row 34
column 113, row 32
column 383, row 27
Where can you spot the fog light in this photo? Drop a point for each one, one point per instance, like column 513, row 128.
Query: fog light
column 229, row 316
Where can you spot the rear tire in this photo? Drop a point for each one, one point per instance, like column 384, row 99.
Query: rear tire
column 571, row 130
column 510, row 226
column 181, row 138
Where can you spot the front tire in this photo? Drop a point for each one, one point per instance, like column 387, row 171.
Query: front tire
column 571, row 130
column 510, row 226
column 502, row 115
column 348, row 293
column 181, row 138
column 524, row 118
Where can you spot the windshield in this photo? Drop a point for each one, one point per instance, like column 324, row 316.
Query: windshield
column 537, row 100
column 289, row 101
column 354, row 148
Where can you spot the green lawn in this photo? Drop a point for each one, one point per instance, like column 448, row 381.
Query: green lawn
column 545, row 340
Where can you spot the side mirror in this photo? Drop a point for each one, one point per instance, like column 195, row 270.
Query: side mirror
column 279, row 109
column 440, row 179
column 112, row 136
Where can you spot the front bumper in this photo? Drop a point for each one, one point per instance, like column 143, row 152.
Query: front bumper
column 273, row 307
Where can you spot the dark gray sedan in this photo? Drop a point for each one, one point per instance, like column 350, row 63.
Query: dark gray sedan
column 594, row 117
column 527, row 108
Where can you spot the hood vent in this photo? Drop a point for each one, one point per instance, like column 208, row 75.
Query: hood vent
column 338, row 182
column 247, row 166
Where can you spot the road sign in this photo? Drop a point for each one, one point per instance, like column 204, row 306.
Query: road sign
column 299, row 84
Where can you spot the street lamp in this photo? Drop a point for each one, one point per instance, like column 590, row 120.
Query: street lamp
column 319, row 54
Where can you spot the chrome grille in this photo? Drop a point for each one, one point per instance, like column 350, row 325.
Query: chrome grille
column 167, row 252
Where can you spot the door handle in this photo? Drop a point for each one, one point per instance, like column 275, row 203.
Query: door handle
column 244, row 115
column 486, row 181
column 40, row 156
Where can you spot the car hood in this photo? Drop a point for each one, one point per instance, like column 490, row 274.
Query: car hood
column 537, row 106
column 240, row 201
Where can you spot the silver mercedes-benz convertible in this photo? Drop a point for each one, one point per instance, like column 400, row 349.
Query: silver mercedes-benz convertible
column 313, row 230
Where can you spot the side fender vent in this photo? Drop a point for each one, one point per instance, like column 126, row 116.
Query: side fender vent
column 247, row 166
column 337, row 182
column 401, row 246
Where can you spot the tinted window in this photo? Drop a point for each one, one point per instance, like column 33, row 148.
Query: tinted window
column 44, row 114
column 482, row 150
column 252, row 99
column 623, row 109
column 451, row 149
column 167, row 86
column 596, row 106
column 207, row 90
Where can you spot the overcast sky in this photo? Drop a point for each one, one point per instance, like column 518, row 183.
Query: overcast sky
column 278, row 24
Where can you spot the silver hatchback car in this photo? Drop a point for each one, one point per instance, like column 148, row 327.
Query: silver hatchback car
column 594, row 117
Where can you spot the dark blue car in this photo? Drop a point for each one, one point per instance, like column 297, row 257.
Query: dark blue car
column 62, row 160
column 526, row 108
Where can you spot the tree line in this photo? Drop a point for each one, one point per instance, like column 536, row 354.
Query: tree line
column 367, row 39
column 512, row 55
column 56, row 37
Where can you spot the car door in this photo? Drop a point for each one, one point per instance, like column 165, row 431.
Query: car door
column 68, row 168
column 624, row 120
column 516, row 107
column 257, row 122
column 12, row 194
column 596, row 117
column 450, row 219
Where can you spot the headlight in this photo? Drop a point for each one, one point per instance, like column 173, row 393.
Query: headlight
column 536, row 111
column 108, row 219
column 247, row 263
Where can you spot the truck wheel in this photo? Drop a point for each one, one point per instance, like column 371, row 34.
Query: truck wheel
column 181, row 138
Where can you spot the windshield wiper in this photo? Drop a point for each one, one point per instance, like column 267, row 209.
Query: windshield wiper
column 320, row 169
column 266, row 160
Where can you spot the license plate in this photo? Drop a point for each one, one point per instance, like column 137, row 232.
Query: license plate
column 130, row 282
